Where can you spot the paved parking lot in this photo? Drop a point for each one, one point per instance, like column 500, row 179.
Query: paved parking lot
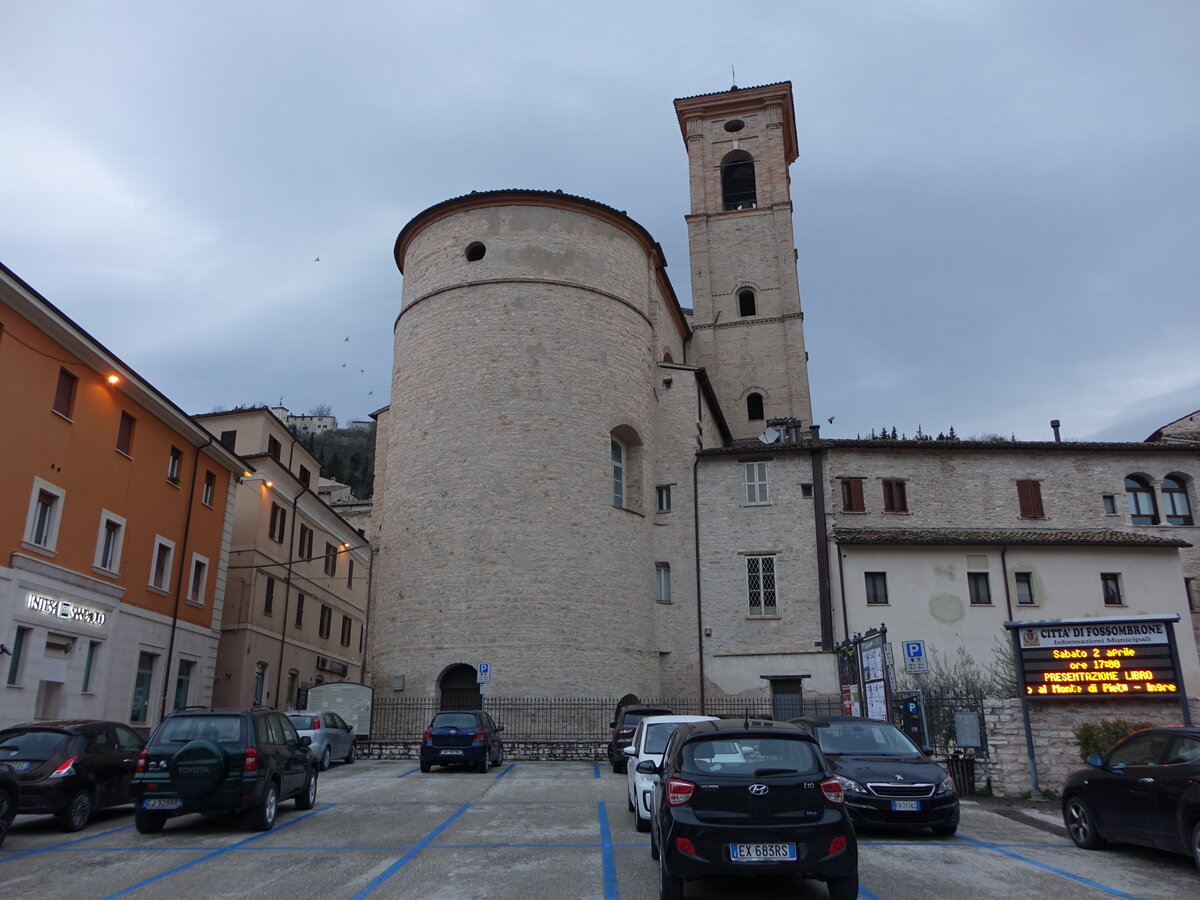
column 544, row 830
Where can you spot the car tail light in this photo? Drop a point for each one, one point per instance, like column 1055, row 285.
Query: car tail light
column 837, row 845
column 679, row 792
column 315, row 725
column 428, row 736
column 479, row 735
column 250, row 760
column 832, row 789
column 67, row 768
column 685, row 846
column 141, row 761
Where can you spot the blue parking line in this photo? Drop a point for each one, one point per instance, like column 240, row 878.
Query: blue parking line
column 403, row 860
column 506, row 770
column 406, row 774
column 606, row 852
column 596, row 770
column 216, row 853
column 995, row 848
column 19, row 855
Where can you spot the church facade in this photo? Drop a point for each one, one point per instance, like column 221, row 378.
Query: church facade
column 598, row 492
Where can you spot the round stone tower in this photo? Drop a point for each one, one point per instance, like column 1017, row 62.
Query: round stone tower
column 515, row 462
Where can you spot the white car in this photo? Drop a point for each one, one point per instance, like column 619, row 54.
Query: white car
column 649, row 741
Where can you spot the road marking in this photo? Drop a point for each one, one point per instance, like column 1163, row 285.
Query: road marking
column 995, row 848
column 506, row 770
column 404, row 860
column 606, row 853
column 90, row 837
column 221, row 852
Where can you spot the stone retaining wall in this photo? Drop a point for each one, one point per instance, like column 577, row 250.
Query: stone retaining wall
column 514, row 751
column 1056, row 751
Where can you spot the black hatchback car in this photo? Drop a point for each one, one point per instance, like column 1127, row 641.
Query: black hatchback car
column 747, row 797
column 462, row 737
column 70, row 769
column 1145, row 790
column 217, row 761
column 623, row 725
column 889, row 781
column 9, row 792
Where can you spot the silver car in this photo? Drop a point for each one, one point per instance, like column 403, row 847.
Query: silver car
column 332, row 737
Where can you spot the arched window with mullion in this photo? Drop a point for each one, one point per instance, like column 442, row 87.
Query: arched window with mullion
column 738, row 190
column 1142, row 508
column 1176, row 506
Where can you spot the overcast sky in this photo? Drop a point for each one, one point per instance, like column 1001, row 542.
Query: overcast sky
column 997, row 204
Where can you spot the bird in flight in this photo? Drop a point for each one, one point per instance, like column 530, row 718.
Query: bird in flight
column 318, row 259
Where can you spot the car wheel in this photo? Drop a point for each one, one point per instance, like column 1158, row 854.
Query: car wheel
column 629, row 800
column 148, row 822
column 619, row 768
column 262, row 817
column 307, row 798
column 653, row 843
column 8, row 812
column 844, row 888
column 499, row 760
column 482, row 765
column 1195, row 845
column 78, row 811
column 642, row 825
column 426, row 766
column 670, row 887
column 352, row 755
column 945, row 830
column 1081, row 824
column 325, row 760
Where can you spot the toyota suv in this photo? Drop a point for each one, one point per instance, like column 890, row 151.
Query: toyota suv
column 746, row 797
column 217, row 761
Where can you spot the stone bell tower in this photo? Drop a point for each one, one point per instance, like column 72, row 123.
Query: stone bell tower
column 747, row 322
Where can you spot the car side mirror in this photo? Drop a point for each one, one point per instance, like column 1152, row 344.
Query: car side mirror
column 349, row 728
column 928, row 751
column 646, row 767
column 306, row 741
column 499, row 728
column 629, row 751
column 612, row 724
column 1095, row 760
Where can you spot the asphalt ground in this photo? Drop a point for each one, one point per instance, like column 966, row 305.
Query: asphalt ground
column 381, row 829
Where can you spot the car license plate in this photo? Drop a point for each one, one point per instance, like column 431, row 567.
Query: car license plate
column 761, row 852
column 161, row 803
column 451, row 753
column 21, row 765
column 906, row 805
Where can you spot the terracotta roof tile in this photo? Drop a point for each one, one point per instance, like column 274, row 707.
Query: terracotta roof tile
column 1086, row 537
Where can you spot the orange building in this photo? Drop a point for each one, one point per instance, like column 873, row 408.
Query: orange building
column 115, row 519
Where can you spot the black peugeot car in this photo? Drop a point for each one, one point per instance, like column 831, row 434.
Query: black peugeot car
column 748, row 797
column 889, row 781
column 1145, row 790
column 69, row 769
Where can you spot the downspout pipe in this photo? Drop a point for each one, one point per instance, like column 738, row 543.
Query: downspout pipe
column 699, row 603
column 822, row 536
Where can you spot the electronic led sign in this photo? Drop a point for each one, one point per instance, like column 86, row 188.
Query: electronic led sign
column 1075, row 660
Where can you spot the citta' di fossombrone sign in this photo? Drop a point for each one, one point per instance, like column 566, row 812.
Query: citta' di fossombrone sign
column 65, row 609
column 1110, row 659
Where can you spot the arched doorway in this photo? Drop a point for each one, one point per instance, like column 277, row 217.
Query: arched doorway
column 458, row 688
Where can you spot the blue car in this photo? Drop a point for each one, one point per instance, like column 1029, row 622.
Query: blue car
column 464, row 737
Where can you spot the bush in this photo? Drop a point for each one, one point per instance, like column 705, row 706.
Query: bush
column 1098, row 737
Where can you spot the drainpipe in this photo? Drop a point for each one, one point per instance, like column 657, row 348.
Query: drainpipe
column 371, row 551
column 699, row 608
column 187, row 527
column 1007, row 592
column 822, row 535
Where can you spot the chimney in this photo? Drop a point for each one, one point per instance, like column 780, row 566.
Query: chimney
column 1054, row 423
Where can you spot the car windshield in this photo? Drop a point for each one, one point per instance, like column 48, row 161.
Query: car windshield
column 865, row 738
column 454, row 720
column 218, row 729
column 31, row 745
column 754, row 755
column 657, row 736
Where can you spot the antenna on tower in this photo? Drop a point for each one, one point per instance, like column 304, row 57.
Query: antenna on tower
column 733, row 78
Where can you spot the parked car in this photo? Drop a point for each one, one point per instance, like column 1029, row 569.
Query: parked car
column 332, row 737
column 649, row 740
column 622, row 725
column 889, row 781
column 462, row 737
column 749, row 797
column 70, row 769
column 8, row 800
column 1145, row 790
column 217, row 761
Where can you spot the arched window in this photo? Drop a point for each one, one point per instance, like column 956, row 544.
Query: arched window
column 618, row 473
column 626, row 456
column 737, row 181
column 1175, row 501
column 1142, row 510
column 260, row 682
column 754, row 407
column 746, row 304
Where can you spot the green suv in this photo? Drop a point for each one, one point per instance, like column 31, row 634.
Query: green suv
column 218, row 761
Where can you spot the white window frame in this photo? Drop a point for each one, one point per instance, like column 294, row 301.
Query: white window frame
column 758, row 561
column 619, row 456
column 663, row 496
column 210, row 481
column 756, row 476
column 108, row 517
column 662, row 582
column 174, row 465
column 1116, row 579
column 1023, row 582
column 53, row 517
column 160, row 541
column 199, row 563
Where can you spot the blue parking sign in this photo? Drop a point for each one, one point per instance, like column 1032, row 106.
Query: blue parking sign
column 914, row 649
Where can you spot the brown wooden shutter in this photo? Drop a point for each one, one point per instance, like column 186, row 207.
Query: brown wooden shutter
column 1029, row 497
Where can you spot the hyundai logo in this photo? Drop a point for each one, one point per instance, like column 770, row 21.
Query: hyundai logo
column 758, row 789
